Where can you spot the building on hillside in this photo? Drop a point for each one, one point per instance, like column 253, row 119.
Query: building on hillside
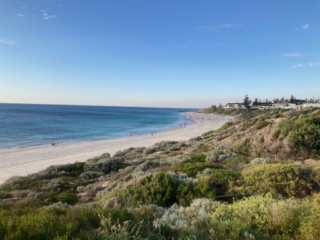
column 309, row 105
column 284, row 105
column 234, row 106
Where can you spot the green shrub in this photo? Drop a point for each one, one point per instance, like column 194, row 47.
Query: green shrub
column 159, row 189
column 310, row 227
column 196, row 158
column 192, row 169
column 306, row 138
column 197, row 138
column 261, row 217
column 5, row 194
column 208, row 186
column 26, row 183
column 261, row 124
column 75, row 169
column 186, row 193
column 66, row 197
column 303, row 133
column 204, row 189
column 283, row 180
column 16, row 224
column 226, row 125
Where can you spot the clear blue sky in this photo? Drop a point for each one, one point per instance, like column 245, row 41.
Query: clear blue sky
column 158, row 53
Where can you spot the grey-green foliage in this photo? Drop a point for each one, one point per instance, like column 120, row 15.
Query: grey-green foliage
column 90, row 175
column 55, row 184
column 105, row 165
column 218, row 154
column 130, row 153
column 192, row 221
column 260, row 160
column 162, row 146
column 147, row 165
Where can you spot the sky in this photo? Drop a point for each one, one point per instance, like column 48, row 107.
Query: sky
column 158, row 53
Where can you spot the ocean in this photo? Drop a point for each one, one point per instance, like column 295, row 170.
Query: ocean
column 25, row 125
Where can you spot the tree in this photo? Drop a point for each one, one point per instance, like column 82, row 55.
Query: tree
column 246, row 101
column 292, row 99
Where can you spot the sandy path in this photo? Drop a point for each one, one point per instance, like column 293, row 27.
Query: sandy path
column 30, row 160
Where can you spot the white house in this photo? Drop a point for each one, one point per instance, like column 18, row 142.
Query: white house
column 234, row 106
column 284, row 105
column 308, row 105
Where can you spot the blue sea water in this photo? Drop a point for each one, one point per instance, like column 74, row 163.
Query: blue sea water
column 23, row 125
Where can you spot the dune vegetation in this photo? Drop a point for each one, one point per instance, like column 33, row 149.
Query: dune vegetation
column 257, row 177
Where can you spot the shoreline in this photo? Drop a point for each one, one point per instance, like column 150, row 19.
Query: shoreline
column 24, row 161
column 68, row 141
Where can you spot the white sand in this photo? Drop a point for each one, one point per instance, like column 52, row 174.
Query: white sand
column 21, row 162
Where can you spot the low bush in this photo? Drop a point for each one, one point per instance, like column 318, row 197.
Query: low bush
column 75, row 169
column 195, row 158
column 303, row 133
column 48, row 224
column 261, row 124
column 5, row 194
column 192, row 169
column 159, row 189
column 260, row 217
column 66, row 197
column 279, row 180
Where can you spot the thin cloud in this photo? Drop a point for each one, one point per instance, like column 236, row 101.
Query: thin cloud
column 226, row 25
column 294, row 54
column 313, row 64
column 46, row 16
column 3, row 41
column 59, row 5
column 305, row 26
column 297, row 66
column 309, row 64
column 20, row 15
column 276, row 78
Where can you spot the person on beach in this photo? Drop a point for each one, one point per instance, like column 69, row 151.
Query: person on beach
column 130, row 134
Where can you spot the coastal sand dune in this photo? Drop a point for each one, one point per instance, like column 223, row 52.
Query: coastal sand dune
column 21, row 162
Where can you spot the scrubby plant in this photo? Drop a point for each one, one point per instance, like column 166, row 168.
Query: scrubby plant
column 159, row 189
column 303, row 133
column 310, row 227
column 279, row 180
column 261, row 124
column 181, row 177
column 52, row 223
column 69, row 198
column 260, row 160
column 192, row 169
column 195, row 158
column 263, row 217
column 5, row 194
column 192, row 222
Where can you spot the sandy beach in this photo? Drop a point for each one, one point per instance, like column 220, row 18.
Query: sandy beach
column 21, row 162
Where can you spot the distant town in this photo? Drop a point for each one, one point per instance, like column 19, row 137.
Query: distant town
column 282, row 103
